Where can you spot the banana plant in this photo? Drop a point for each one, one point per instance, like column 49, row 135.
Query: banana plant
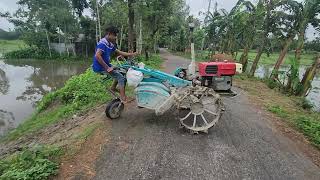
column 287, row 15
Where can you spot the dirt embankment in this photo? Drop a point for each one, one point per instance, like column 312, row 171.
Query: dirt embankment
column 82, row 138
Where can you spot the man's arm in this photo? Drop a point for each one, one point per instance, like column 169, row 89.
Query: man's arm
column 126, row 53
column 98, row 56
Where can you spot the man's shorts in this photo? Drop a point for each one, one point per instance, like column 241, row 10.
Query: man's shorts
column 116, row 75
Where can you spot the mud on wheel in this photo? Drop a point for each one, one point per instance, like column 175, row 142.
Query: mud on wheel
column 199, row 109
column 114, row 109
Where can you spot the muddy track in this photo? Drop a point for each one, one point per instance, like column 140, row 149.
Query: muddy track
column 243, row 145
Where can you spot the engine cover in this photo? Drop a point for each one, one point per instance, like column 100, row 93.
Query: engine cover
column 217, row 69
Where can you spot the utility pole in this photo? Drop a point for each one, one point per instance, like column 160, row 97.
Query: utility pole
column 205, row 24
column 192, row 65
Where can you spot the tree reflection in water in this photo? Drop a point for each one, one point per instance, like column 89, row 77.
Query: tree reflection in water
column 24, row 82
column 4, row 82
column 6, row 121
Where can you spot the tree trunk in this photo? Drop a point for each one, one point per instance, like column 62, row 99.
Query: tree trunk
column 121, row 37
column 300, row 45
column 97, row 36
column 98, row 18
column 280, row 60
column 309, row 75
column 48, row 40
column 256, row 61
column 244, row 58
column 130, row 28
column 139, row 39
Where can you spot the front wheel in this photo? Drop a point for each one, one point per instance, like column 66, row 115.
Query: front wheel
column 114, row 109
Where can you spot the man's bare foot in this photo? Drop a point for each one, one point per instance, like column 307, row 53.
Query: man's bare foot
column 127, row 100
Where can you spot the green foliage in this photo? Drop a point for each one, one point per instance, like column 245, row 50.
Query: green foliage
column 37, row 163
column 305, row 103
column 39, row 53
column 83, row 90
column 271, row 83
column 310, row 127
column 12, row 35
column 294, row 86
column 154, row 62
column 12, row 45
column 31, row 53
column 313, row 45
column 278, row 110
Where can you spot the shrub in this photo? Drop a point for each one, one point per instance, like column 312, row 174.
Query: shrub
column 37, row 163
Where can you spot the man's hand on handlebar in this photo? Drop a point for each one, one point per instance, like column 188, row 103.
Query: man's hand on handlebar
column 133, row 54
column 109, row 69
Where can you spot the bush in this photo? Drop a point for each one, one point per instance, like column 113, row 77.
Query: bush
column 305, row 104
column 80, row 91
column 38, row 53
column 310, row 127
column 31, row 53
column 38, row 163
column 271, row 83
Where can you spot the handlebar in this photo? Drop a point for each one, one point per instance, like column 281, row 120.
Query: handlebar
column 130, row 61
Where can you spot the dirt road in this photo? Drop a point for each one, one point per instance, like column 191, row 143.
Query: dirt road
column 243, row 145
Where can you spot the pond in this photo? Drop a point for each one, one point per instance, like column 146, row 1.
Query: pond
column 24, row 82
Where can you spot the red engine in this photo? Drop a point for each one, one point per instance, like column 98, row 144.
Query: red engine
column 217, row 75
column 217, row 69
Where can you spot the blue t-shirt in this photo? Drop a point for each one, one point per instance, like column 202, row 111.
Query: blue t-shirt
column 107, row 49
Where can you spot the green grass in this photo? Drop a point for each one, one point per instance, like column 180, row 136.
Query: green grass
column 306, row 58
column 308, row 123
column 276, row 109
column 12, row 45
column 88, row 131
column 36, row 163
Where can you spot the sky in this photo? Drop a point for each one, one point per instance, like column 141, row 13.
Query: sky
column 195, row 7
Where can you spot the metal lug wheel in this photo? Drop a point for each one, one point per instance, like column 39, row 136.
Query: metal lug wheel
column 200, row 111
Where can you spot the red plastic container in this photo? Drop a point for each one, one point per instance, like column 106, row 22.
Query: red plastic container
column 217, row 68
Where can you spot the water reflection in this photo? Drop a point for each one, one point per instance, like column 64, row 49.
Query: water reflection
column 4, row 82
column 6, row 121
column 24, row 82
